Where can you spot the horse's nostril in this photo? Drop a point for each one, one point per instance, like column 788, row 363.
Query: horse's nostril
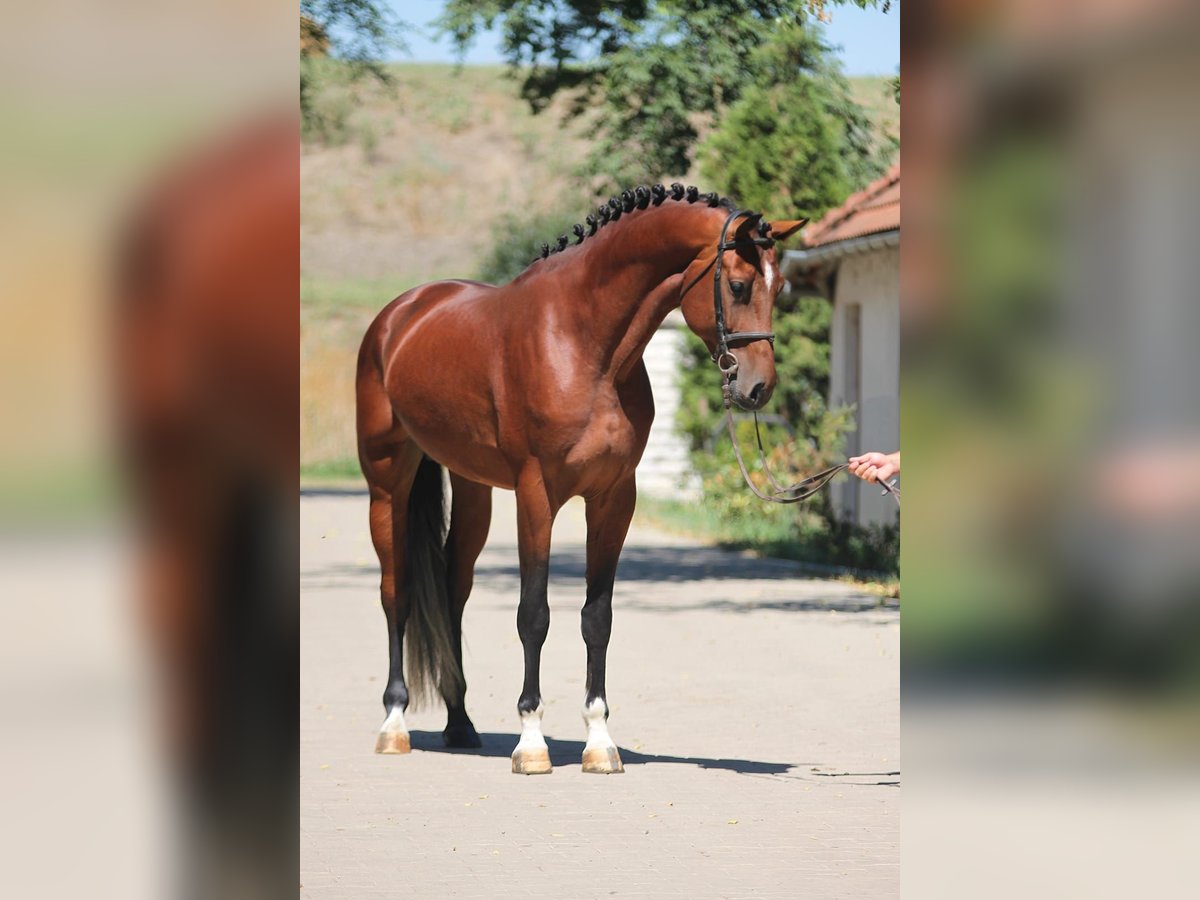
column 756, row 392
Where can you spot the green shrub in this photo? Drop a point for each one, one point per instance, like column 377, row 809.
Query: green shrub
column 517, row 239
column 813, row 441
column 795, row 143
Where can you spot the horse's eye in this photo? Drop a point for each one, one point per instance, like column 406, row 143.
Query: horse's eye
column 737, row 287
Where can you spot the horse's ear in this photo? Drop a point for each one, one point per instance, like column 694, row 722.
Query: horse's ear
column 747, row 225
column 782, row 230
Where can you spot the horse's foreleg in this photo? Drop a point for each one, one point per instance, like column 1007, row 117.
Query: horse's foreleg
column 470, row 519
column 535, row 518
column 608, row 517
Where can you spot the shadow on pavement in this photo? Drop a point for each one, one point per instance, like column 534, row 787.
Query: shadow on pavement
column 851, row 604
column 566, row 753
column 568, row 573
column 667, row 564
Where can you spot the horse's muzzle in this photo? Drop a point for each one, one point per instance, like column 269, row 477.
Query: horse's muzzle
column 755, row 398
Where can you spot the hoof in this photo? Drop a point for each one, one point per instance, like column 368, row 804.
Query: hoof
column 532, row 762
column 461, row 734
column 602, row 761
column 392, row 742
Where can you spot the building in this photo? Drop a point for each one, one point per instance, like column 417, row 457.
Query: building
column 852, row 258
column 665, row 469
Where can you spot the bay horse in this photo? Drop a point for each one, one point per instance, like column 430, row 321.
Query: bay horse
column 206, row 389
column 538, row 386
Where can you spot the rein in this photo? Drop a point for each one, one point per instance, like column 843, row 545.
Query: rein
column 728, row 366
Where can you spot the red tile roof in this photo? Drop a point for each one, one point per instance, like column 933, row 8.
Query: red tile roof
column 874, row 209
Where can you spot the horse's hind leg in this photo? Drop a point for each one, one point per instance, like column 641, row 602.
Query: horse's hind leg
column 387, row 516
column 608, row 518
column 470, row 519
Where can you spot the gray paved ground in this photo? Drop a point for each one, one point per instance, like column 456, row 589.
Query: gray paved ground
column 757, row 712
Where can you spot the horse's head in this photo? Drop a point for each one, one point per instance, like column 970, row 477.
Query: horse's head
column 749, row 281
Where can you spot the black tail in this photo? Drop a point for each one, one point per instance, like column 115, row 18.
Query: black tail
column 432, row 663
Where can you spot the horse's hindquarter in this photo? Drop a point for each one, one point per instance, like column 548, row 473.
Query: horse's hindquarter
column 441, row 356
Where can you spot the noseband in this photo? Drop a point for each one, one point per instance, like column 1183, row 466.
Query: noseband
column 727, row 363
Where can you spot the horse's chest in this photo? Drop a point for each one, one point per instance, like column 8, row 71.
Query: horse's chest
column 608, row 436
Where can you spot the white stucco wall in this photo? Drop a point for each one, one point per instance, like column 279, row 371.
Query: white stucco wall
column 664, row 469
column 870, row 280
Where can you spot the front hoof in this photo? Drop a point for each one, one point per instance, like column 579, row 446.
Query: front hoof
column 602, row 761
column 534, row 761
column 461, row 735
column 393, row 742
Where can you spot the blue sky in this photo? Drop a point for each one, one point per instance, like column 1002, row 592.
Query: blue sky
column 870, row 39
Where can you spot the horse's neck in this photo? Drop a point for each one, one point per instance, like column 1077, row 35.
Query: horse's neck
column 635, row 279
column 648, row 316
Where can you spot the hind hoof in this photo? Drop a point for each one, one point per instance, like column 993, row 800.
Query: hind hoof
column 461, row 735
column 532, row 762
column 602, row 761
column 392, row 742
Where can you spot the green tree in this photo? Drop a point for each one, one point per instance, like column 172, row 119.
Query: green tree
column 653, row 74
column 358, row 34
column 795, row 143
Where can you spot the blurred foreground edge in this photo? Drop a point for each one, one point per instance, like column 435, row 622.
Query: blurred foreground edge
column 205, row 340
column 1051, row 438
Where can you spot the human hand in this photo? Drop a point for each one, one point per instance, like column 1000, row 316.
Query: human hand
column 875, row 466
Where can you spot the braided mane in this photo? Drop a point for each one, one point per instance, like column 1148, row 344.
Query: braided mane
column 639, row 198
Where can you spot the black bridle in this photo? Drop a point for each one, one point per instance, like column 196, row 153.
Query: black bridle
column 728, row 365
column 721, row 356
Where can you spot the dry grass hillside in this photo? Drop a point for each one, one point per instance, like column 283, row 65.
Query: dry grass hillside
column 425, row 169
column 409, row 188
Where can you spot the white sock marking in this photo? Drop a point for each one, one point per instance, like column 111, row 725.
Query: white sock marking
column 394, row 723
column 593, row 717
column 531, row 730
